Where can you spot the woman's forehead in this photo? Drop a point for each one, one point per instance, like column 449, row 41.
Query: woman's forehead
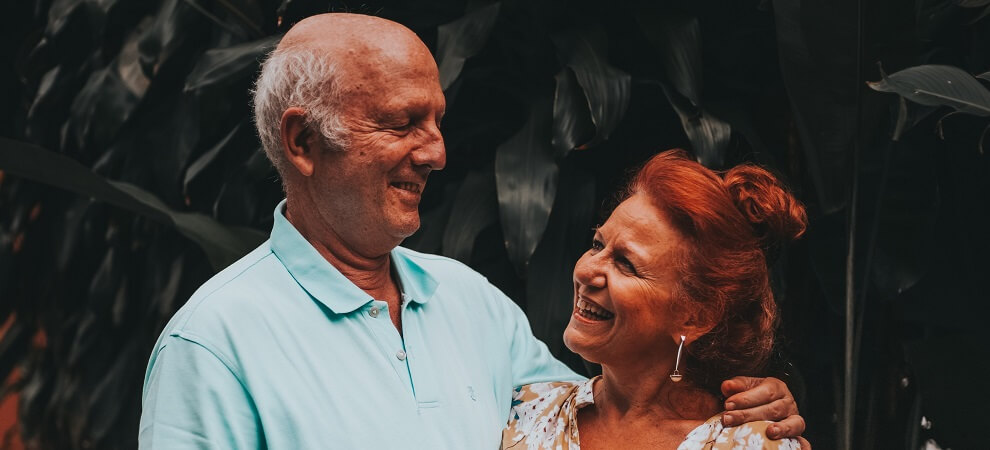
column 638, row 225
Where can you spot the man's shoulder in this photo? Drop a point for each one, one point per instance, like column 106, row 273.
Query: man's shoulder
column 230, row 293
column 438, row 265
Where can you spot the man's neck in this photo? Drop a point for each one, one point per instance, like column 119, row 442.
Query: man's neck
column 369, row 271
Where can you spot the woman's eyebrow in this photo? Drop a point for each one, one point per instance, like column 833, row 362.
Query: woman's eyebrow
column 632, row 252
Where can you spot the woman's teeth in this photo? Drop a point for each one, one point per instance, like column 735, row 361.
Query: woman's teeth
column 592, row 311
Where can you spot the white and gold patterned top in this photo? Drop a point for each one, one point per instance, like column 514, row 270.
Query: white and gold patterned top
column 544, row 417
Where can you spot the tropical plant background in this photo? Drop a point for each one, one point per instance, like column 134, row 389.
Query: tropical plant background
column 130, row 172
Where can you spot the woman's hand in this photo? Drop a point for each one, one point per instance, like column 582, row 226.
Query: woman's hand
column 750, row 399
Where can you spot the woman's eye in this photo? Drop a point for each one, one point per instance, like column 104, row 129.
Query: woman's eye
column 626, row 265
column 597, row 245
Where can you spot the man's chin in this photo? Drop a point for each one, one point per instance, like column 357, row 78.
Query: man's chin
column 406, row 227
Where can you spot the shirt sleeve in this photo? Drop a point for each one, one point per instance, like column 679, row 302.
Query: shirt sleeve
column 532, row 361
column 192, row 399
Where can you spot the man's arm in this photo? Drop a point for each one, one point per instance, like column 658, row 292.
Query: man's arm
column 750, row 399
column 532, row 361
column 193, row 400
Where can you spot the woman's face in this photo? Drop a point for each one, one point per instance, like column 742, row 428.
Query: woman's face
column 623, row 287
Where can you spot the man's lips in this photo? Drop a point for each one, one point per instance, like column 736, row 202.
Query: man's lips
column 408, row 186
column 591, row 310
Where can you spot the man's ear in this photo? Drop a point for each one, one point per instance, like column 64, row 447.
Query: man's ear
column 297, row 140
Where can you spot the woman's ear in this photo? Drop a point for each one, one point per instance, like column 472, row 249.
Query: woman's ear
column 692, row 327
column 297, row 142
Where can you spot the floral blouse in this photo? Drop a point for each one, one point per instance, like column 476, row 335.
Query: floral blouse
column 544, row 417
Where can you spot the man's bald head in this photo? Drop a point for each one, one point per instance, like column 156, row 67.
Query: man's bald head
column 317, row 62
column 339, row 34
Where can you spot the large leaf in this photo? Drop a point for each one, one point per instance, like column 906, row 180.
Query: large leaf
column 937, row 85
column 572, row 125
column 474, row 209
column 178, row 23
column 222, row 244
column 206, row 159
column 985, row 4
column 247, row 12
column 550, row 289
column 908, row 116
column 817, row 49
column 605, row 87
column 526, row 182
column 224, row 65
column 677, row 37
column 709, row 135
column 461, row 39
column 100, row 109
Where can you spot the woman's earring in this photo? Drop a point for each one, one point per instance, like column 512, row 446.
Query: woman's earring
column 676, row 376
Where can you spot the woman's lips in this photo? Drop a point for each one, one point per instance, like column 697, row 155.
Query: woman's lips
column 592, row 311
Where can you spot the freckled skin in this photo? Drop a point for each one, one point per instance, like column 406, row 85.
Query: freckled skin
column 347, row 203
column 358, row 203
column 389, row 80
column 628, row 271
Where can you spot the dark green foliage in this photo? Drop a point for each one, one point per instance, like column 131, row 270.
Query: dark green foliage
column 935, row 85
column 144, row 109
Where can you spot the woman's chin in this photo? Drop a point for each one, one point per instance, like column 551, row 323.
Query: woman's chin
column 578, row 341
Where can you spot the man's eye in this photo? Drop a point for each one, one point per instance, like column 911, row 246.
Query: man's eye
column 597, row 245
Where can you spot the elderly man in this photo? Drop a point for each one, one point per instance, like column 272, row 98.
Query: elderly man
column 329, row 335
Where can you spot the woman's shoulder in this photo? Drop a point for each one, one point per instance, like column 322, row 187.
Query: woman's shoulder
column 546, row 412
column 712, row 435
column 549, row 392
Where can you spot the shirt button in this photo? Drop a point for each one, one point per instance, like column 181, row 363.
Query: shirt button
column 373, row 312
column 401, row 355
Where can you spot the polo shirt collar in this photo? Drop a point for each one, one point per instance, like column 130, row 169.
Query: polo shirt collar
column 418, row 286
column 325, row 283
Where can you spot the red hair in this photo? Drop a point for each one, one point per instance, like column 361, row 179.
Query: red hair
column 730, row 221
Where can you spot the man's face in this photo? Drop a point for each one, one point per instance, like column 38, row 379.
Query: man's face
column 391, row 107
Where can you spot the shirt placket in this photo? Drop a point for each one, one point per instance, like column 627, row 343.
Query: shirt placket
column 421, row 368
column 389, row 342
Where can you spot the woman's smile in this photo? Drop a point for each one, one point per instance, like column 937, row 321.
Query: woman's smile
column 591, row 311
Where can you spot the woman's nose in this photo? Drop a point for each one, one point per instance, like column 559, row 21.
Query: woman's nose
column 588, row 270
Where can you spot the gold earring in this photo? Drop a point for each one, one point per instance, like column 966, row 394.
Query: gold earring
column 676, row 376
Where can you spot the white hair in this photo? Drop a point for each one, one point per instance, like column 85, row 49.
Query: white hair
column 296, row 76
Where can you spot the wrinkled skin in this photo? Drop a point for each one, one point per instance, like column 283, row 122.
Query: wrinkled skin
column 354, row 205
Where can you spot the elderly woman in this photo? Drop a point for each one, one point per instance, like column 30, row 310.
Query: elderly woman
column 672, row 297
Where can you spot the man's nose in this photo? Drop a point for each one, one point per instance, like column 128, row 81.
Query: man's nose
column 431, row 152
column 589, row 271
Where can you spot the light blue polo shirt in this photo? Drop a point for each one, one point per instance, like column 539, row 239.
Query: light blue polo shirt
column 279, row 350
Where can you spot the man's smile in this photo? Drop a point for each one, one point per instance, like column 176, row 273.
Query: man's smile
column 415, row 188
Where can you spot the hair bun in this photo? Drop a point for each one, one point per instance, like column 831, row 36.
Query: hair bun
column 776, row 216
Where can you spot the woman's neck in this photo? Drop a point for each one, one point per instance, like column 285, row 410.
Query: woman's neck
column 625, row 394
